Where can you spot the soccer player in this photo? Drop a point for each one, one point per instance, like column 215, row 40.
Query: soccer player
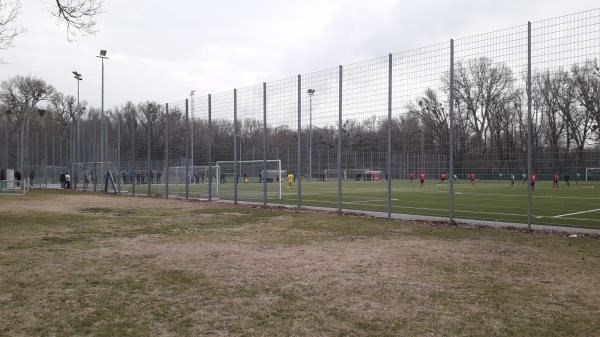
column 555, row 180
column 533, row 181
column 512, row 180
column 472, row 177
column 412, row 177
column 290, row 180
column 524, row 177
column 578, row 177
column 422, row 178
column 567, row 180
column 442, row 178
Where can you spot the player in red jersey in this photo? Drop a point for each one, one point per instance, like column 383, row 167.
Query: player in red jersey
column 412, row 177
column 422, row 178
column 472, row 177
column 442, row 177
column 533, row 181
column 555, row 180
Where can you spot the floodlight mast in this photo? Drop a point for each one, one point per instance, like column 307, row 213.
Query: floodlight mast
column 192, row 128
column 310, row 92
column 79, row 111
column 102, row 56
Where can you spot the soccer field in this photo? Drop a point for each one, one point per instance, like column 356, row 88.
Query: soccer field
column 576, row 205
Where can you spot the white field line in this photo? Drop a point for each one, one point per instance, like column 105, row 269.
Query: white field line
column 459, row 211
column 582, row 212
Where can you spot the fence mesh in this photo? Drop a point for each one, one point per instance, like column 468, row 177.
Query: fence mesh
column 370, row 136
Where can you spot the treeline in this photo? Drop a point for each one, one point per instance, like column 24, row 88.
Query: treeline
column 490, row 111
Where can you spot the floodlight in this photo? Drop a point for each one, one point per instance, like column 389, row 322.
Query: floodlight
column 311, row 91
column 102, row 52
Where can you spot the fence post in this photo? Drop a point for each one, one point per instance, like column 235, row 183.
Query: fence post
column 187, row 150
column 235, row 154
column 339, row 144
column 210, row 182
column 299, row 162
column 6, row 144
column 132, row 168
column 529, row 126
column 119, row 175
column 265, row 146
column 451, row 132
column 167, row 122
column 148, row 159
column 389, row 140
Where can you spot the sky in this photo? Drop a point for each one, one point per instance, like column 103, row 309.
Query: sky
column 161, row 50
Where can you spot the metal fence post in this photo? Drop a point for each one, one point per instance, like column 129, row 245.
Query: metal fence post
column 210, row 181
column 119, row 175
column 451, row 132
column 235, row 153
column 187, row 150
column 6, row 144
column 167, row 122
column 389, row 140
column 299, row 163
column 132, row 167
column 265, row 146
column 339, row 144
column 529, row 127
column 148, row 160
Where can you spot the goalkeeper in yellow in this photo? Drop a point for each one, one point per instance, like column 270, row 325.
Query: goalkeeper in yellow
column 290, row 180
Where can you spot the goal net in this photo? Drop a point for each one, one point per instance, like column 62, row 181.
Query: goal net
column 46, row 176
column 198, row 178
column 95, row 177
column 250, row 176
column 332, row 174
column 355, row 175
column 592, row 174
column 12, row 182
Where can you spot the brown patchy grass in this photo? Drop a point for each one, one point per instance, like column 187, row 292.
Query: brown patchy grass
column 88, row 265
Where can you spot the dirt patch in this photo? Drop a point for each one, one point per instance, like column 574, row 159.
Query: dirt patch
column 75, row 202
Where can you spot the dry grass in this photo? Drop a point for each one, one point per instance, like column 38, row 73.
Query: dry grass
column 83, row 265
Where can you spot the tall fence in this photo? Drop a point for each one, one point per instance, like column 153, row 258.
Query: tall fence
column 483, row 113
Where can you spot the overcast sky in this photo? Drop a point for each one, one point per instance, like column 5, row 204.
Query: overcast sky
column 160, row 50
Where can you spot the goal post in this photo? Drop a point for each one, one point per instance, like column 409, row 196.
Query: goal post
column 252, row 171
column 12, row 182
column 91, row 176
column 592, row 174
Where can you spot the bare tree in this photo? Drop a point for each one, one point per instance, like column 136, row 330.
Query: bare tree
column 79, row 16
column 545, row 87
column 21, row 95
column 434, row 117
column 9, row 10
column 481, row 87
column 587, row 82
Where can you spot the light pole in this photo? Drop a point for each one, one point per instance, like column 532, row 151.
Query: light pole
column 310, row 92
column 192, row 129
column 77, row 77
column 102, row 56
